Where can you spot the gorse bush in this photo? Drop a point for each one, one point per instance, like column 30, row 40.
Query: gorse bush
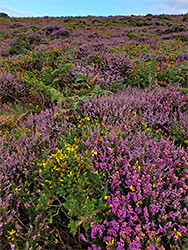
column 67, row 177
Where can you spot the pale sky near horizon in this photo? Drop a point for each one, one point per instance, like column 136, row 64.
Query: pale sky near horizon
column 29, row 8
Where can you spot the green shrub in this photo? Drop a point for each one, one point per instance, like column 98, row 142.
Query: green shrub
column 3, row 14
column 179, row 135
column 132, row 35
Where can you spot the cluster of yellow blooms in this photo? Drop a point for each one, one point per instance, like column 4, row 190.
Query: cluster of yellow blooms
column 58, row 165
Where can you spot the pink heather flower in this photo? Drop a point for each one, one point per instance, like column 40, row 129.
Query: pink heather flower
column 12, row 246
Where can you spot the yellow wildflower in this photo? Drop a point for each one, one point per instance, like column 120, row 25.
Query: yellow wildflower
column 12, row 232
column 110, row 243
column 178, row 233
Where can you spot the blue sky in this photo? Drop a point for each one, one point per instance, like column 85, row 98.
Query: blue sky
column 23, row 8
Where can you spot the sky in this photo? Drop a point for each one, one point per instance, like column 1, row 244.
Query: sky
column 34, row 8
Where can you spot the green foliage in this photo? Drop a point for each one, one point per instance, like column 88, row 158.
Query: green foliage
column 74, row 101
column 69, row 184
column 116, row 86
column 55, row 95
column 153, row 133
column 143, row 74
column 21, row 45
column 11, row 116
column 150, row 72
column 132, row 35
column 3, row 14
column 95, row 59
column 62, row 189
column 30, row 219
column 181, row 37
column 179, row 135
column 185, row 91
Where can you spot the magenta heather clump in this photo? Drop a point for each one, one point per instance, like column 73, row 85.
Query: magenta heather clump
column 147, row 175
column 147, row 190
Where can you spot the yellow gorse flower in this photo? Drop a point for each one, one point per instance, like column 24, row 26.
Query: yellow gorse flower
column 11, row 232
column 93, row 152
column 132, row 188
column 111, row 243
column 179, row 234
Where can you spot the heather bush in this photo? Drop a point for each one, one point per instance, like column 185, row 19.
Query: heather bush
column 35, row 38
column 144, row 181
column 147, row 193
column 156, row 108
column 60, row 33
column 50, row 28
column 111, row 69
column 55, row 31
column 11, row 89
column 145, row 177
column 140, row 177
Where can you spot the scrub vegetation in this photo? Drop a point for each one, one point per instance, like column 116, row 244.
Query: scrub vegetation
column 94, row 133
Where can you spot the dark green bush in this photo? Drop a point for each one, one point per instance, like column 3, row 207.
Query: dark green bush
column 3, row 14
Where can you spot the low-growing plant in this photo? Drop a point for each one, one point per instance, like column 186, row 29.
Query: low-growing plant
column 107, row 167
column 67, row 178
column 132, row 35
column 179, row 134
column 2, row 14
column 11, row 89
column 143, row 74
column 141, row 191
column 61, row 189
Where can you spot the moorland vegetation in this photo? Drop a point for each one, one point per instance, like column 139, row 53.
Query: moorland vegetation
column 94, row 132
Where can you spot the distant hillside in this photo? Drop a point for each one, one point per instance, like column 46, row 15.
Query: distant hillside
column 3, row 14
